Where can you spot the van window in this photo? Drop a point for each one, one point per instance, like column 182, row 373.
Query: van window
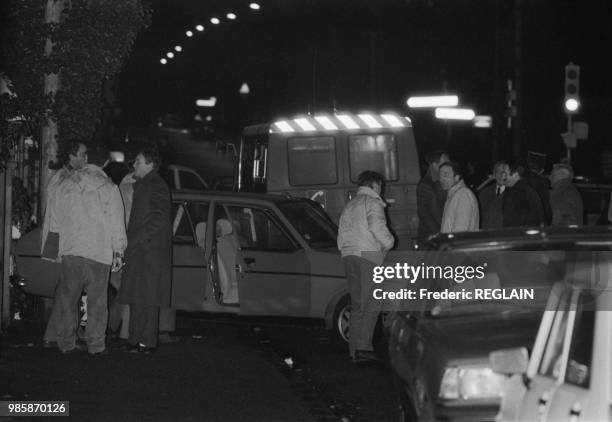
column 303, row 152
column 373, row 152
column 190, row 181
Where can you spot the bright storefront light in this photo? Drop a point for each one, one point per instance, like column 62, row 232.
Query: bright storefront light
column 433, row 101
column 455, row 113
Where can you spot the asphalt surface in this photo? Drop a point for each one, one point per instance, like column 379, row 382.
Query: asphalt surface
column 223, row 369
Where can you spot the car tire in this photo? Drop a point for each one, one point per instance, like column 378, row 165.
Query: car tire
column 340, row 321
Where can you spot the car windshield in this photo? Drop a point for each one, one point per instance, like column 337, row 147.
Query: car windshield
column 312, row 223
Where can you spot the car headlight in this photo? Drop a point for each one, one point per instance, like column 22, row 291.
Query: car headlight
column 471, row 383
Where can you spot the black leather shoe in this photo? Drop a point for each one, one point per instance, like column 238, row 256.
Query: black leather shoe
column 146, row 349
column 129, row 348
column 363, row 356
column 49, row 344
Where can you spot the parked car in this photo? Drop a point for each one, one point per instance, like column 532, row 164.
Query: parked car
column 568, row 376
column 247, row 254
column 440, row 359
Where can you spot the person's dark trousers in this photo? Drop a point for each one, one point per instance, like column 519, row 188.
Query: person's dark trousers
column 144, row 325
column 78, row 274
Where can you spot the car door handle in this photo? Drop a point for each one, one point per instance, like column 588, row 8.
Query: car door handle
column 249, row 261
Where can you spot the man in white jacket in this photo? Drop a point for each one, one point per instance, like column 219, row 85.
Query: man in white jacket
column 461, row 207
column 363, row 239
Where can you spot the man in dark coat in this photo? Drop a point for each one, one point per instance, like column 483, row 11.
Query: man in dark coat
column 491, row 197
column 430, row 196
column 565, row 200
column 146, row 280
column 521, row 204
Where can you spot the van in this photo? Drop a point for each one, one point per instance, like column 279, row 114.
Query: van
column 321, row 156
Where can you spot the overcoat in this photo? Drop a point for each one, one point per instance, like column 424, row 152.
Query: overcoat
column 147, row 275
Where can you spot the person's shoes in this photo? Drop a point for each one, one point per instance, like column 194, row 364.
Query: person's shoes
column 46, row 344
column 78, row 347
column 129, row 348
column 147, row 350
column 167, row 338
column 365, row 356
column 100, row 353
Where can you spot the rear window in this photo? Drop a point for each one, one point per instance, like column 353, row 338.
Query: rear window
column 304, row 153
column 376, row 152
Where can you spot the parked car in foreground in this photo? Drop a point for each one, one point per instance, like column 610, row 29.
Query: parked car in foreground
column 246, row 254
column 440, row 357
column 569, row 374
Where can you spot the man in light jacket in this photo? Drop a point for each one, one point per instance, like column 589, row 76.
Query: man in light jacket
column 87, row 211
column 461, row 207
column 565, row 200
column 363, row 240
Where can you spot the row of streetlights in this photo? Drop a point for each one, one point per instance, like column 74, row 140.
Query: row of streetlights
column 446, row 109
column 200, row 28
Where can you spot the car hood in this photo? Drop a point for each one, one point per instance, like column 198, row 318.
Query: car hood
column 474, row 336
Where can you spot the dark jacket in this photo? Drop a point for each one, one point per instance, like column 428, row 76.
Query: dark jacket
column 566, row 204
column 146, row 278
column 542, row 187
column 521, row 206
column 491, row 208
column 430, row 205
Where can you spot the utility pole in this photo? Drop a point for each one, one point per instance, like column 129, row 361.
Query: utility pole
column 53, row 13
column 517, row 144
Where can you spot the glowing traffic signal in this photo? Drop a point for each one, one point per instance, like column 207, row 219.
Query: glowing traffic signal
column 572, row 86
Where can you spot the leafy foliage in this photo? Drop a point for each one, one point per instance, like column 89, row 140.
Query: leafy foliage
column 90, row 45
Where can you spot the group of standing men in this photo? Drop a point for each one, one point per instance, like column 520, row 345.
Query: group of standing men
column 85, row 215
column 519, row 197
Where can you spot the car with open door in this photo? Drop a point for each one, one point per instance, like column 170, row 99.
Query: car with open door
column 241, row 253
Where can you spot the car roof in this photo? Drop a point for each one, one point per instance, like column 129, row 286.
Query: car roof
column 195, row 195
column 522, row 234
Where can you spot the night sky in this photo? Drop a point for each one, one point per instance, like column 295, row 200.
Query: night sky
column 316, row 55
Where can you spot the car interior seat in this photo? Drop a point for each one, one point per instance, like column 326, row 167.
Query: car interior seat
column 227, row 249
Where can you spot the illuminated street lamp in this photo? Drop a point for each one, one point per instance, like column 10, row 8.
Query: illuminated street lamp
column 215, row 21
column 454, row 113
column 199, row 28
column 178, row 48
column 433, row 101
column 255, row 6
column 163, row 61
column 189, row 33
column 231, row 16
column 170, row 54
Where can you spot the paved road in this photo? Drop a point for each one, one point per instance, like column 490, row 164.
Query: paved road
column 226, row 369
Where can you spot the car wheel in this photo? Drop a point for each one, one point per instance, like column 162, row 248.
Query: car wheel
column 342, row 315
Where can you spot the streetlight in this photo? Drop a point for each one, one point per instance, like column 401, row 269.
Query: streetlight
column 178, row 48
column 170, row 54
column 199, row 28
column 433, row 101
column 231, row 16
column 189, row 33
column 255, row 6
column 454, row 113
column 215, row 21
column 163, row 61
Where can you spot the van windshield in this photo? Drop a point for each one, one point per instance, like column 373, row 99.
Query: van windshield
column 317, row 230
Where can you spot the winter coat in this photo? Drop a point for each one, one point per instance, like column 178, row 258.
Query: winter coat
column 491, row 208
column 566, row 204
column 86, row 209
column 521, row 206
column 363, row 226
column 542, row 187
column 147, row 275
column 430, row 205
column 460, row 211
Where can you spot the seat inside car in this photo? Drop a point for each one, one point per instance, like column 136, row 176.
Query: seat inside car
column 227, row 249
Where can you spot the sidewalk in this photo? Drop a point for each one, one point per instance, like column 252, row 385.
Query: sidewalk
column 216, row 373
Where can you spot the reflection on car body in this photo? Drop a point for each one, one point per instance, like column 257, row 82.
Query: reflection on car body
column 248, row 254
column 441, row 357
column 568, row 375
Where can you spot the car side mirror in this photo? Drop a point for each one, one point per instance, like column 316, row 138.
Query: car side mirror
column 509, row 361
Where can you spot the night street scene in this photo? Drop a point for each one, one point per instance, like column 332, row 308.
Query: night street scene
column 306, row 210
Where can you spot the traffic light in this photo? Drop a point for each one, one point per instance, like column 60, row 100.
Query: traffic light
column 572, row 86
